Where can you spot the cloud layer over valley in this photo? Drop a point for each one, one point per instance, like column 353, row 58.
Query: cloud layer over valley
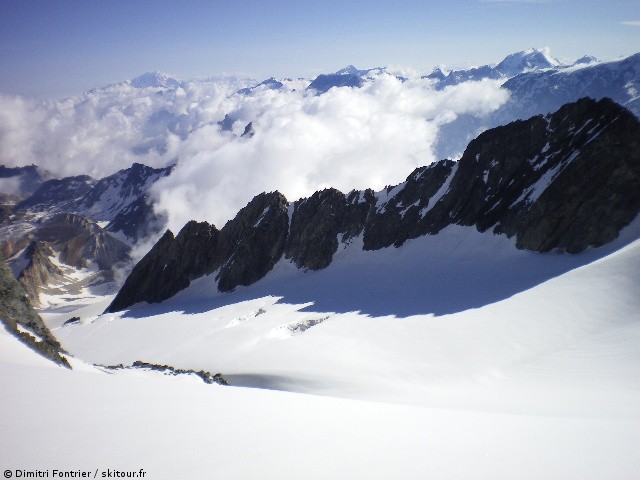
column 345, row 138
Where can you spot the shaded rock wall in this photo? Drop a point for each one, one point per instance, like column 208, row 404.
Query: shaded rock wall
column 567, row 181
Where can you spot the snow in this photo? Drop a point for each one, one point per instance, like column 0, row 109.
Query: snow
column 94, row 420
column 441, row 191
column 384, row 196
column 116, row 198
column 528, row 60
column 28, row 331
column 261, row 217
column 532, row 193
column 454, row 356
column 439, row 309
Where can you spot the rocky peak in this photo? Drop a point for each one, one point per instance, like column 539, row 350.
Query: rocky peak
column 528, row 60
column 154, row 80
column 534, row 178
column 253, row 241
column 80, row 241
column 249, row 131
column 324, row 82
column 170, row 265
column 22, row 181
column 244, row 251
column 400, row 210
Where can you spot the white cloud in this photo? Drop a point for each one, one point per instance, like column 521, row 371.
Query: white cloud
column 634, row 23
column 107, row 129
column 346, row 138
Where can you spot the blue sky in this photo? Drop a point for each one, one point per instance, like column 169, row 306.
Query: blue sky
column 57, row 48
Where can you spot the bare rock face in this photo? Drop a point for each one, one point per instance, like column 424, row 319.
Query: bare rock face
column 122, row 199
column 401, row 216
column 81, row 241
column 252, row 243
column 319, row 220
column 23, row 181
column 567, row 181
column 72, row 240
column 19, row 318
column 170, row 265
column 244, row 251
column 39, row 271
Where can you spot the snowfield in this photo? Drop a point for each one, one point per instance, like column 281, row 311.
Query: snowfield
column 454, row 356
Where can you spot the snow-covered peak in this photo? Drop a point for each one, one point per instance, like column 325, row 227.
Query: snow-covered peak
column 528, row 60
column 438, row 73
column 586, row 60
column 154, row 79
column 348, row 70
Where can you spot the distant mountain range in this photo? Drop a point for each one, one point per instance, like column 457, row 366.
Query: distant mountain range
column 537, row 82
column 75, row 223
column 116, row 211
column 531, row 60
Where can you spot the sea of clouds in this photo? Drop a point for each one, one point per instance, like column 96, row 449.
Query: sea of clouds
column 346, row 138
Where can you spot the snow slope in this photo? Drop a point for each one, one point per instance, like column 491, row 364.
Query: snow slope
column 91, row 421
column 476, row 310
column 536, row 381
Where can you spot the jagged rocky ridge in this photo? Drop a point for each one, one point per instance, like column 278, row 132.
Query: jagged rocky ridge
column 20, row 319
column 566, row 181
column 203, row 375
column 538, row 89
column 531, row 60
column 120, row 200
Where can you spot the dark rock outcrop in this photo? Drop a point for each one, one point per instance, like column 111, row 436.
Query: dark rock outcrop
column 19, row 318
column 401, row 216
column 138, row 220
column 205, row 376
column 80, row 241
column 252, row 243
column 122, row 199
column 249, row 131
column 567, row 181
column 170, row 265
column 319, row 220
column 39, row 270
column 24, row 180
column 244, row 251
